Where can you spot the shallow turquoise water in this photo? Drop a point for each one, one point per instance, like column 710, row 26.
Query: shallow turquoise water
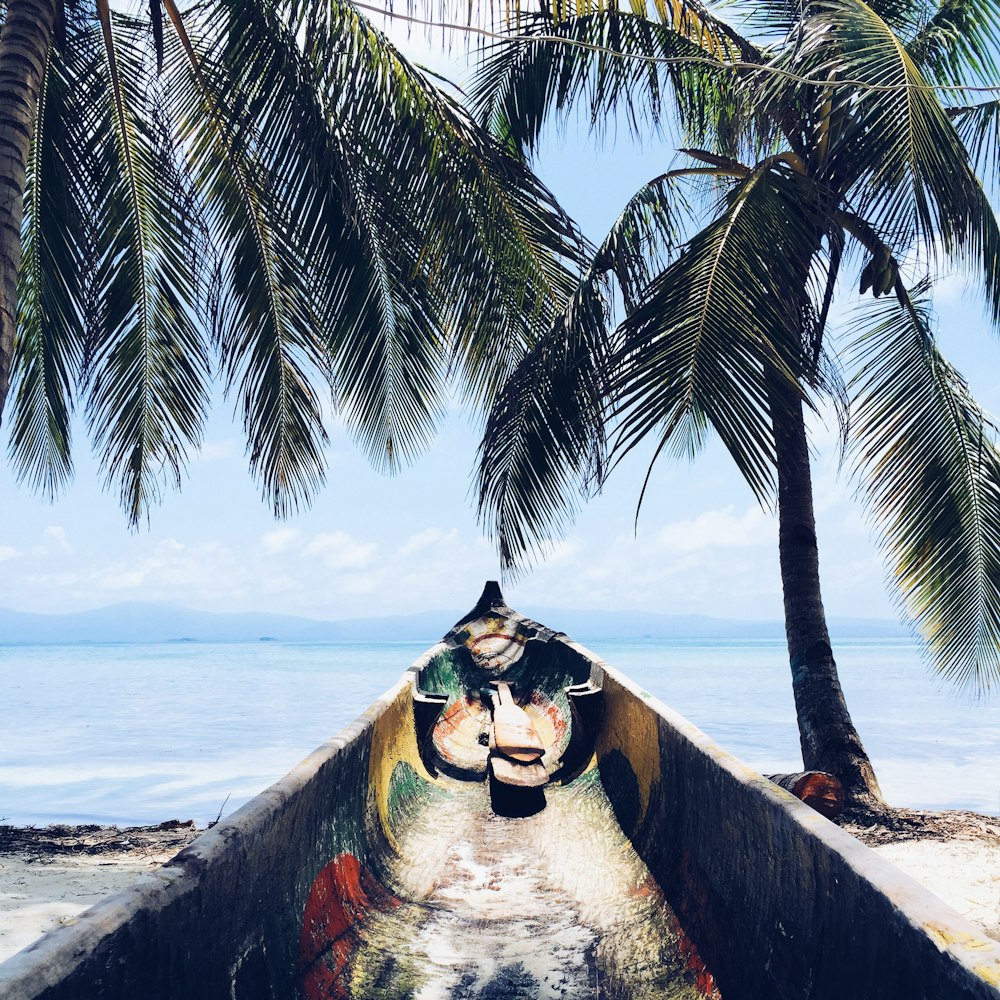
column 140, row 733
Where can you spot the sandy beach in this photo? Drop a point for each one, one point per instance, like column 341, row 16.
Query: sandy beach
column 49, row 876
column 954, row 853
column 964, row 873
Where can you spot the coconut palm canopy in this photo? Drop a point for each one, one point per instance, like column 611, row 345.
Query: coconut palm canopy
column 819, row 154
column 828, row 159
column 268, row 191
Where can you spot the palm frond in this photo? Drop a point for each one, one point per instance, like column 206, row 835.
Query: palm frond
column 147, row 364
column 507, row 255
column 520, row 82
column 930, row 471
column 471, row 224
column 718, row 324
column 979, row 128
column 390, row 367
column 543, row 445
column 252, row 159
column 543, row 448
column 382, row 323
column 959, row 43
column 897, row 154
column 781, row 17
column 48, row 351
column 647, row 233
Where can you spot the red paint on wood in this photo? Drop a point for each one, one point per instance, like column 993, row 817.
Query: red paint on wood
column 549, row 708
column 703, row 979
column 341, row 896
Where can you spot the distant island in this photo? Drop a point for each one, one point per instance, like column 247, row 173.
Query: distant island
column 154, row 623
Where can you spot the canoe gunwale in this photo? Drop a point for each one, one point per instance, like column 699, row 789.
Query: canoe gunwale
column 976, row 956
column 63, row 953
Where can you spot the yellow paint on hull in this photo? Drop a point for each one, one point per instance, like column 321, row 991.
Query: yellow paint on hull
column 631, row 728
column 394, row 739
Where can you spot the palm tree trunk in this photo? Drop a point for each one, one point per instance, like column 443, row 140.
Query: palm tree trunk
column 24, row 47
column 828, row 738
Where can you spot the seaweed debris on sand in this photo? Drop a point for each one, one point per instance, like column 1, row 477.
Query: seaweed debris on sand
column 49, row 875
column 955, row 853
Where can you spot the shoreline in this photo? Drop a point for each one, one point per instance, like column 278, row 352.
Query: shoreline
column 49, row 875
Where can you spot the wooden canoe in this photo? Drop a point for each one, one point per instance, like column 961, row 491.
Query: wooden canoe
column 650, row 865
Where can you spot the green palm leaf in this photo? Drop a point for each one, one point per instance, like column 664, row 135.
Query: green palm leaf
column 519, row 82
column 259, row 201
column 384, row 221
column 508, row 257
column 543, row 447
column 959, row 42
column 895, row 153
column 48, row 352
column 378, row 319
column 780, row 19
column 391, row 365
column 904, row 166
column 719, row 324
column 979, row 128
column 147, row 361
column 647, row 233
column 930, row 470
column 473, row 228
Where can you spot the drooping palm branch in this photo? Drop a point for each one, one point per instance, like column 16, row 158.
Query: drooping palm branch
column 851, row 180
column 290, row 198
column 931, row 470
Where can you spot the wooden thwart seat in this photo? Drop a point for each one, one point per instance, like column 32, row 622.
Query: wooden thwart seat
column 516, row 748
column 520, row 775
column 513, row 734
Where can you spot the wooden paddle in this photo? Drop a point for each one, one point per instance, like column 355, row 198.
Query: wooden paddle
column 513, row 734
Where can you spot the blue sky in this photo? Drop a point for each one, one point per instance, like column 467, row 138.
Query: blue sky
column 375, row 545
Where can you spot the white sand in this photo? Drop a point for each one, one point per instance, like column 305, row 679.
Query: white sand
column 964, row 873
column 40, row 894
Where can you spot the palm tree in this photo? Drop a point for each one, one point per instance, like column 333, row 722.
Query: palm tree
column 268, row 187
column 817, row 152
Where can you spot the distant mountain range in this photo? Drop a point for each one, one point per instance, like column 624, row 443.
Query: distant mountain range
column 172, row 623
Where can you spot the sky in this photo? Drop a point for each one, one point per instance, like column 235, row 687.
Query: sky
column 374, row 545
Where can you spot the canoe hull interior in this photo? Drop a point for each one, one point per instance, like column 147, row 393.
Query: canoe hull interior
column 656, row 866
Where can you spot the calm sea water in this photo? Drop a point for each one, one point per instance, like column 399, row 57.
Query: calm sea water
column 135, row 734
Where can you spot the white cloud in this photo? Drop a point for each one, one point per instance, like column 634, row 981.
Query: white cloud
column 120, row 579
column 426, row 539
column 340, row 551
column 719, row 528
column 564, row 552
column 171, row 571
column 280, row 583
column 8, row 552
column 279, row 540
column 359, row 583
column 57, row 536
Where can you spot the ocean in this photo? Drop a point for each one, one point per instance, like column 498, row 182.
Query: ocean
column 135, row 734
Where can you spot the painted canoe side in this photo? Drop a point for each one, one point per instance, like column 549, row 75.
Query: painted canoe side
column 780, row 902
column 771, row 900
